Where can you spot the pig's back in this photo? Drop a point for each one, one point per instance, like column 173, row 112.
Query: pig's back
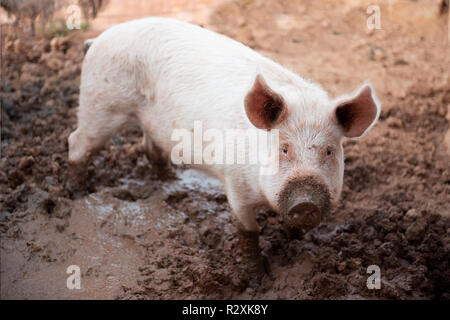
column 171, row 51
column 185, row 72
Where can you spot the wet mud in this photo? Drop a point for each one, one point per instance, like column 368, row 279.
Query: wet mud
column 137, row 237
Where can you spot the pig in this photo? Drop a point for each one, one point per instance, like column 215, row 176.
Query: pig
column 165, row 74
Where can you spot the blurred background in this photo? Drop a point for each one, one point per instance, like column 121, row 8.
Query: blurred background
column 102, row 13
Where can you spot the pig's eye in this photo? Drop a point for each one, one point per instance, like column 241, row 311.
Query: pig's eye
column 329, row 151
column 284, row 150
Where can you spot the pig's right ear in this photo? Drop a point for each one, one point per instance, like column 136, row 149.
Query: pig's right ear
column 264, row 107
column 358, row 113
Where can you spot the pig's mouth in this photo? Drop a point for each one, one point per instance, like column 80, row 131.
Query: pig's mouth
column 304, row 202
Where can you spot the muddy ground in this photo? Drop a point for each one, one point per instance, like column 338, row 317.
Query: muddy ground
column 136, row 237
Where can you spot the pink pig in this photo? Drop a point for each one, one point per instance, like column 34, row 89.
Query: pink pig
column 166, row 74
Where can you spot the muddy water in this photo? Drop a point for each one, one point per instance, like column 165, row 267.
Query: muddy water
column 104, row 236
column 102, row 230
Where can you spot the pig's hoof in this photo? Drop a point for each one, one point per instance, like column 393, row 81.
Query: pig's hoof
column 255, row 278
column 76, row 187
column 258, row 270
column 266, row 264
column 164, row 172
column 167, row 175
column 293, row 233
column 75, row 190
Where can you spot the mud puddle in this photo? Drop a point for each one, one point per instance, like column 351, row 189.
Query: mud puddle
column 105, row 236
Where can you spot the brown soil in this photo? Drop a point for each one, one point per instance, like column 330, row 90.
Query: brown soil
column 136, row 237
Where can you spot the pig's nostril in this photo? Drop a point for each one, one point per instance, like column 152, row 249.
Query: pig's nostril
column 305, row 215
column 305, row 208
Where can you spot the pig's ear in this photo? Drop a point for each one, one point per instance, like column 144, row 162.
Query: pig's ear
column 357, row 114
column 263, row 106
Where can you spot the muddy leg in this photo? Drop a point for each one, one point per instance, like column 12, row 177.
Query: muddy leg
column 156, row 157
column 292, row 233
column 80, row 150
column 91, row 135
column 244, row 218
column 76, row 179
column 255, row 264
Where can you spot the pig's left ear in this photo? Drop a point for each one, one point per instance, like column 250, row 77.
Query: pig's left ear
column 264, row 107
column 357, row 114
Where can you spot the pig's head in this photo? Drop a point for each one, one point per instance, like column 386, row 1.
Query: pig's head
column 311, row 129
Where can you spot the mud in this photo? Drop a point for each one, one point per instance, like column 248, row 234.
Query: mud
column 137, row 237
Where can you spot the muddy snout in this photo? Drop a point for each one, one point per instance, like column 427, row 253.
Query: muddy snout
column 304, row 202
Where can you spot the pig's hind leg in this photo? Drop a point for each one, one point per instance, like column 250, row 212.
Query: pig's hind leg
column 93, row 131
column 158, row 159
column 96, row 125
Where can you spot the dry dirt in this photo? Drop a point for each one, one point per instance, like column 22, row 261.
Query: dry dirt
column 136, row 237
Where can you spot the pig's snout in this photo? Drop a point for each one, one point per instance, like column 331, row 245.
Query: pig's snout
column 305, row 213
column 304, row 202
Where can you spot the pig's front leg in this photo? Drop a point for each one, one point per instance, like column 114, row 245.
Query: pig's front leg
column 249, row 243
column 244, row 218
column 76, row 179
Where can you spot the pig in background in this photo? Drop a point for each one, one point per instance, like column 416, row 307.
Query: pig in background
column 166, row 74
